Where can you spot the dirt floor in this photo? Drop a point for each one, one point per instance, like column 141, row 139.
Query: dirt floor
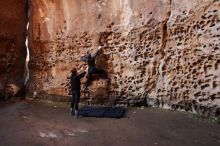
column 26, row 123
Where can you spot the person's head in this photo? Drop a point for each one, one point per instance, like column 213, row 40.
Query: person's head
column 73, row 71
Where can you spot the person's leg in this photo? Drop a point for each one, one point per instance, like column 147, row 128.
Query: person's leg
column 77, row 99
column 89, row 78
column 101, row 72
column 94, row 70
column 97, row 71
column 73, row 102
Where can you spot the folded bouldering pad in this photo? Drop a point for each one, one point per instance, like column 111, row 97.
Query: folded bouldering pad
column 102, row 112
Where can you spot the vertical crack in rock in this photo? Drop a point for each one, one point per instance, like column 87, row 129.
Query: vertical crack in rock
column 164, row 30
column 26, row 72
column 162, row 56
column 27, row 60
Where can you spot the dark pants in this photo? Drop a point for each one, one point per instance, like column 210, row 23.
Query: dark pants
column 75, row 100
column 93, row 71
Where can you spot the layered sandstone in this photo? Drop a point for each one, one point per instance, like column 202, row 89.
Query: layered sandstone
column 13, row 18
column 163, row 52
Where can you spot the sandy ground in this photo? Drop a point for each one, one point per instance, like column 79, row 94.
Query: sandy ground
column 26, row 123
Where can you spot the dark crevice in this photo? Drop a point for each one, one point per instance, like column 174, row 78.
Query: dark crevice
column 164, row 35
column 170, row 2
column 164, row 30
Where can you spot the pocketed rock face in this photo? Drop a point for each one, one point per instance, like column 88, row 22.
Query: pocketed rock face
column 12, row 45
column 189, row 72
column 162, row 52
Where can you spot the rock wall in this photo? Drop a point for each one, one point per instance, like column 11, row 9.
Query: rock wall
column 12, row 45
column 160, row 52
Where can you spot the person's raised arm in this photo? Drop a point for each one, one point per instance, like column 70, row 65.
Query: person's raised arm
column 97, row 52
column 83, row 72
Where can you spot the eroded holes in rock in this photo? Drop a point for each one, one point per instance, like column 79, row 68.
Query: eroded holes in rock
column 212, row 25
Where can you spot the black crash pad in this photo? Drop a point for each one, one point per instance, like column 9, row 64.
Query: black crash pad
column 102, row 112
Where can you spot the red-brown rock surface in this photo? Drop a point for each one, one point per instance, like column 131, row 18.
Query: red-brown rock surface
column 12, row 45
column 165, row 51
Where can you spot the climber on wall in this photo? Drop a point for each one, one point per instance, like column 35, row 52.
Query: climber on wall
column 75, row 88
column 92, row 70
